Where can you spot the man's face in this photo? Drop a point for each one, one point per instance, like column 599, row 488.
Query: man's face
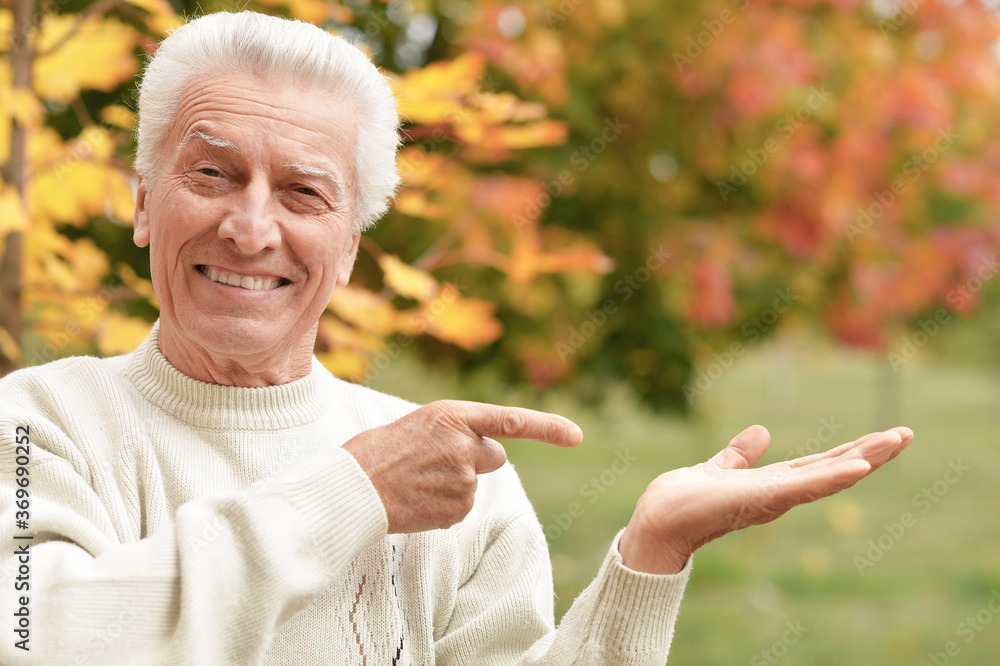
column 249, row 221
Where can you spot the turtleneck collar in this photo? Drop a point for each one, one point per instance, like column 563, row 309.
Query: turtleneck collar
column 220, row 407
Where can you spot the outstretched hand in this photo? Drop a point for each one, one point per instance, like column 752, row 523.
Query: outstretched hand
column 686, row 508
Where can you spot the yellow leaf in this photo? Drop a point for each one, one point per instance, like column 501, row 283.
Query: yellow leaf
column 506, row 108
column 466, row 322
column 98, row 56
column 85, row 189
column 364, row 309
column 344, row 363
column 164, row 23
column 12, row 214
column 121, row 334
column 435, row 93
column 6, row 29
column 139, row 285
column 152, row 6
column 494, row 137
column 45, row 146
column 9, row 346
column 335, row 333
column 89, row 263
column 542, row 133
column 420, row 169
column 58, row 272
column 20, row 104
column 406, row 280
column 162, row 18
column 414, row 203
column 118, row 115
column 311, row 11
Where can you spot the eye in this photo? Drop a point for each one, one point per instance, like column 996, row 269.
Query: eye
column 210, row 172
column 308, row 191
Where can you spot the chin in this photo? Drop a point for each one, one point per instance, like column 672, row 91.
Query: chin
column 243, row 336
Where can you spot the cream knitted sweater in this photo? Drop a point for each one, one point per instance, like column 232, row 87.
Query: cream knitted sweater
column 178, row 522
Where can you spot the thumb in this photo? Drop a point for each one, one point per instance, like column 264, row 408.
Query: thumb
column 491, row 456
column 745, row 449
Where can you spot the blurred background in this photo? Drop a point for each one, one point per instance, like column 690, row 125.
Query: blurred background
column 666, row 221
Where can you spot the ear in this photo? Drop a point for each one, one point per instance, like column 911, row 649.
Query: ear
column 347, row 261
column 140, row 222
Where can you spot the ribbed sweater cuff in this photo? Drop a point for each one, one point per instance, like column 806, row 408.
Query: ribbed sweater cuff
column 337, row 503
column 636, row 609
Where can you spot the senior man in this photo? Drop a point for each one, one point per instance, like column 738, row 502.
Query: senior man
column 217, row 497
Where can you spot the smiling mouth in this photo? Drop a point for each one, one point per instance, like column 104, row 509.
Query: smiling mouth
column 252, row 282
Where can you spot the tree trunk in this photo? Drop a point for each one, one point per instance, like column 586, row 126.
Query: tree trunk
column 14, row 172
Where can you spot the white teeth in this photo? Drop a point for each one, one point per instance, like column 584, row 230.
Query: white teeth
column 244, row 281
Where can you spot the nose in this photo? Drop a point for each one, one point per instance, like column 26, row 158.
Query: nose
column 253, row 224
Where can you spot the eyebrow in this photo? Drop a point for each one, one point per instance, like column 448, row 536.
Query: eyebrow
column 316, row 172
column 296, row 167
column 211, row 140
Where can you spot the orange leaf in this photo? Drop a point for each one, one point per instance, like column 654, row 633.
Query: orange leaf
column 336, row 334
column 466, row 322
column 406, row 280
column 434, row 94
column 364, row 309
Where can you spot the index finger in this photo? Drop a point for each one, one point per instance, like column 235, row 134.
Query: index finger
column 517, row 423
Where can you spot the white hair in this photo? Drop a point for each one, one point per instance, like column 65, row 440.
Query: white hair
column 267, row 46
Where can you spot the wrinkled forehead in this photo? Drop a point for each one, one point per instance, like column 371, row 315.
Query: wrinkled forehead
column 235, row 113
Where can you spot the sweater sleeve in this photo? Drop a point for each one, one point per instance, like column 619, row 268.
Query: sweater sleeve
column 211, row 587
column 624, row 617
column 503, row 612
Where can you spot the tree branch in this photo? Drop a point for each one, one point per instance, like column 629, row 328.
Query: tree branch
column 93, row 10
column 14, row 172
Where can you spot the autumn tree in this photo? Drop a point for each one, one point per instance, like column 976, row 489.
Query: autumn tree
column 804, row 164
column 594, row 190
column 73, row 284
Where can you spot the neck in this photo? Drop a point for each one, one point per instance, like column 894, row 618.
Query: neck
column 267, row 368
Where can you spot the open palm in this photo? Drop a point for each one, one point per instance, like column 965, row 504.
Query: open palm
column 686, row 508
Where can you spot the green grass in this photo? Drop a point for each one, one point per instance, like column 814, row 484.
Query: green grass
column 802, row 568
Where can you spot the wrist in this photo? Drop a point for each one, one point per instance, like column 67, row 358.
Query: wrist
column 649, row 555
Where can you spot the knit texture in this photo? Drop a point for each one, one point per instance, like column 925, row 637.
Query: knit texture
column 179, row 522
